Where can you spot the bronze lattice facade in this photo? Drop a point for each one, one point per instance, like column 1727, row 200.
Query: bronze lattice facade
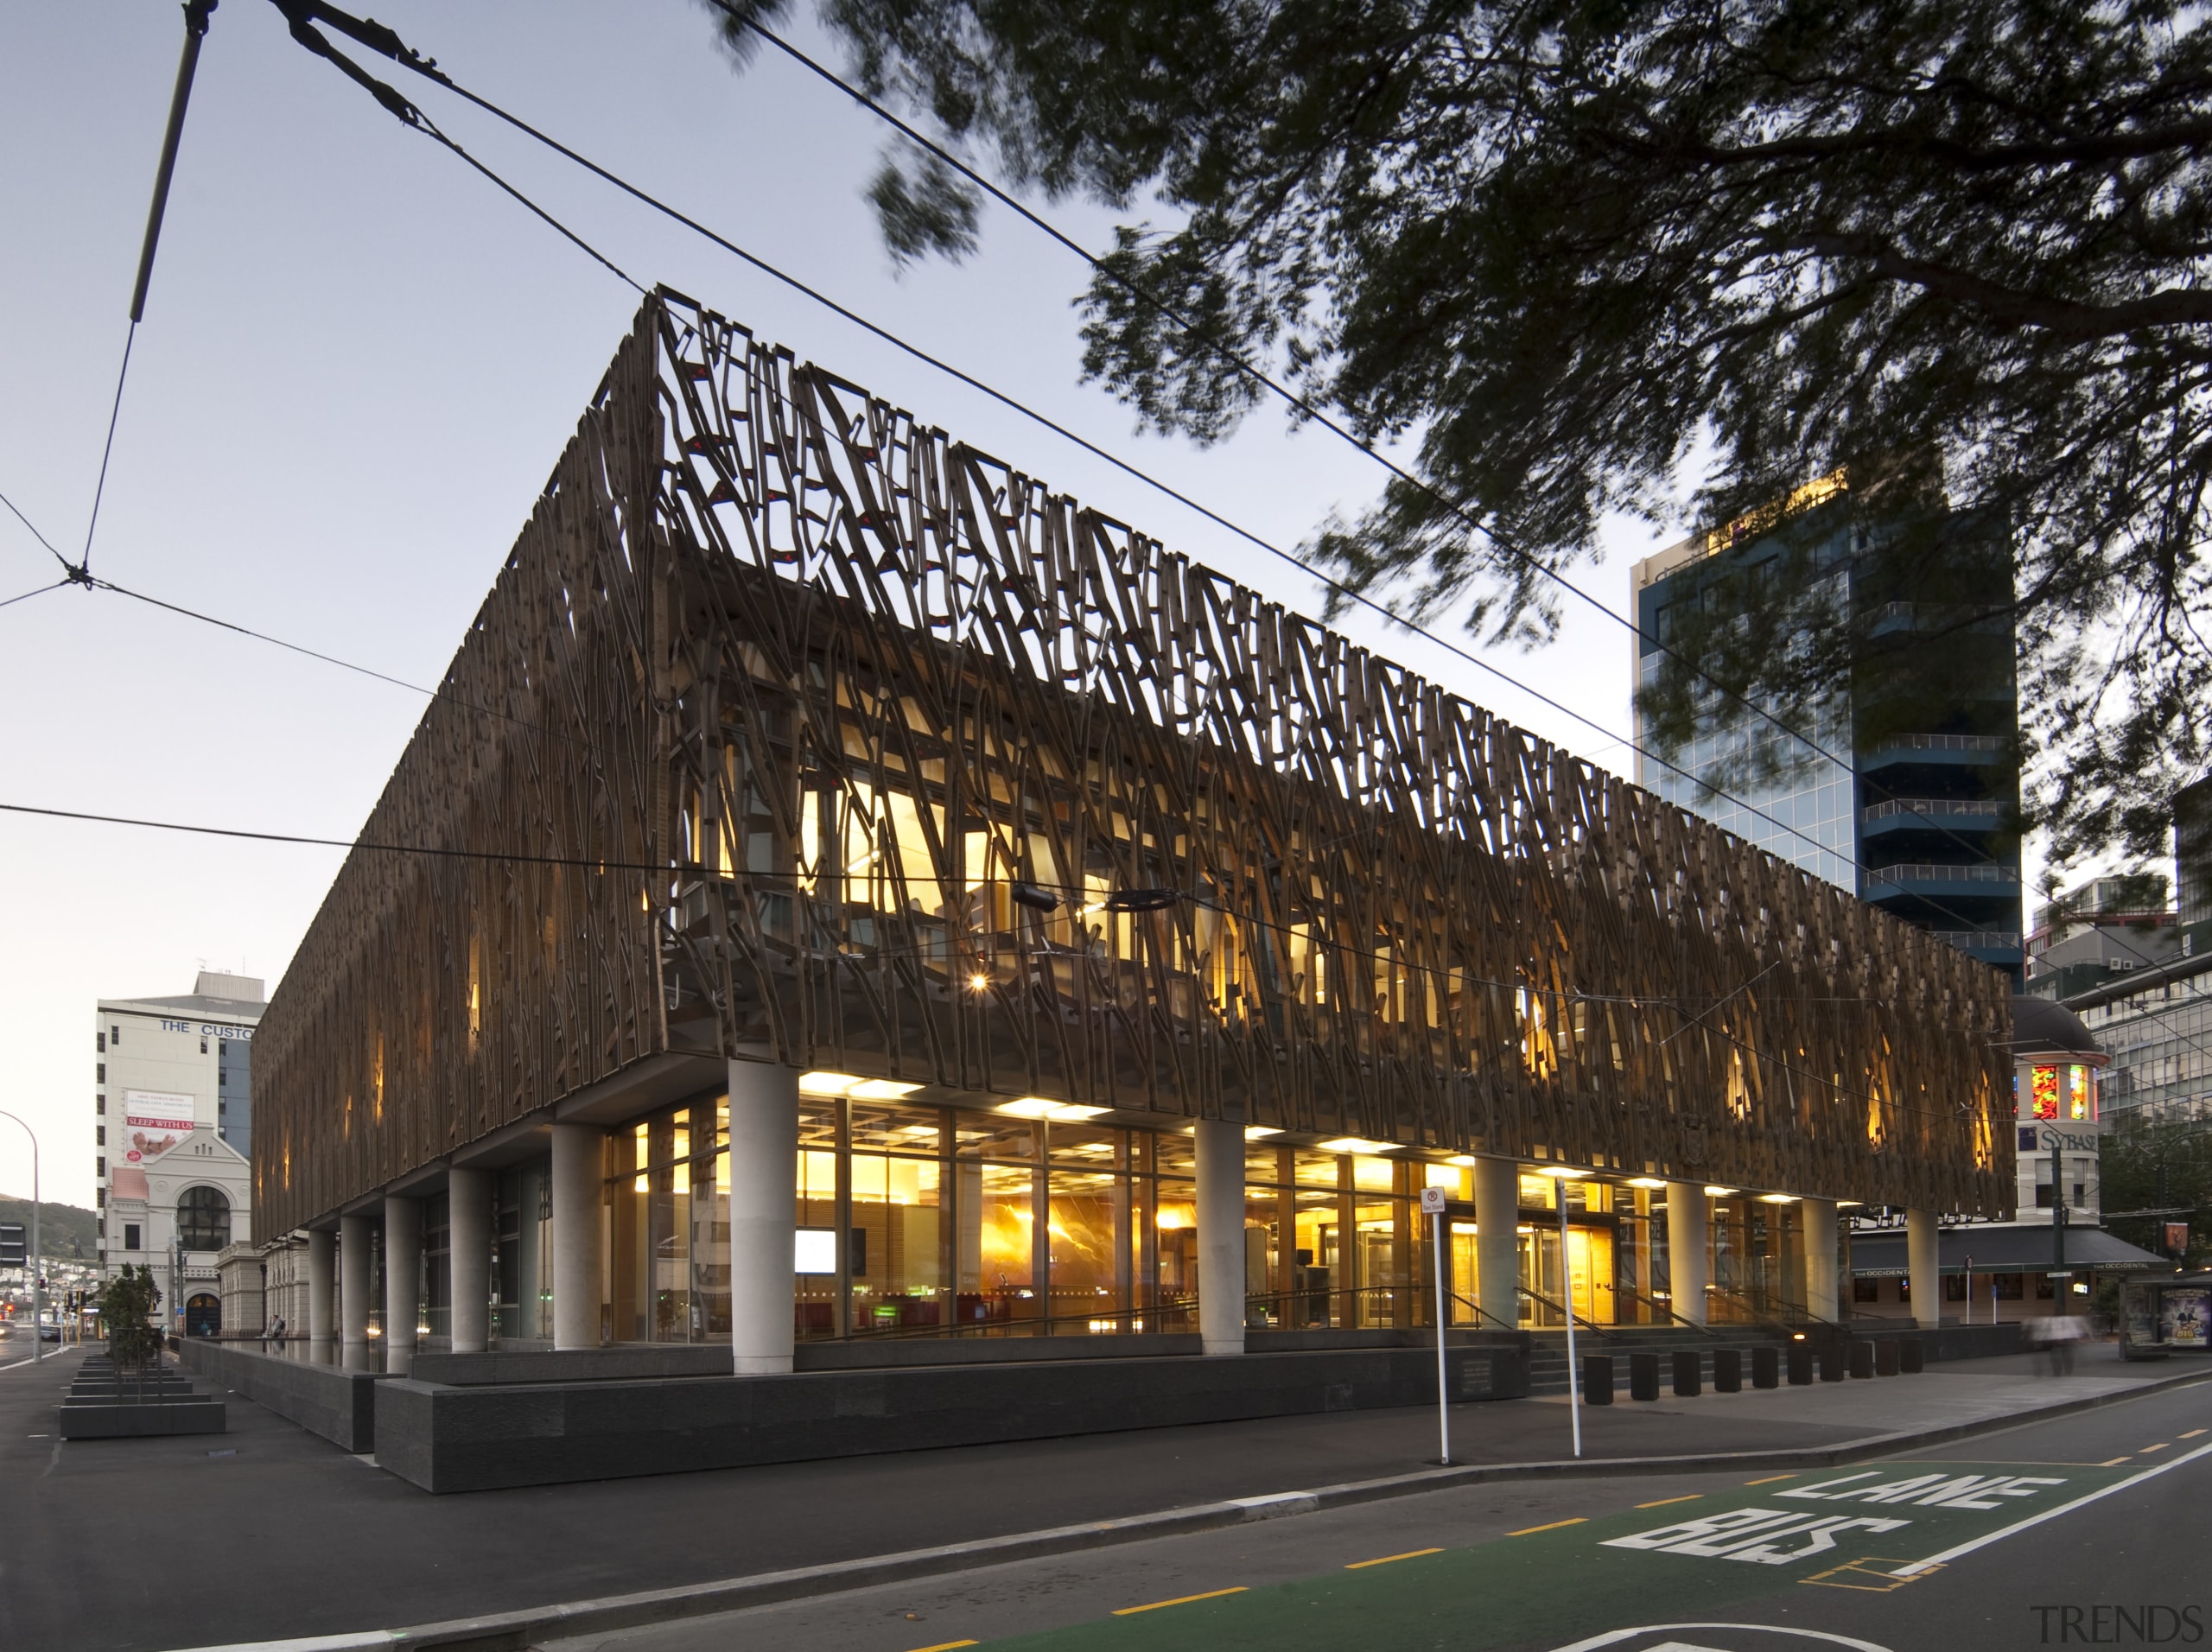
column 788, row 716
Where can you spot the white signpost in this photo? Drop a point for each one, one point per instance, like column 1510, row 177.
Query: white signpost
column 1432, row 1204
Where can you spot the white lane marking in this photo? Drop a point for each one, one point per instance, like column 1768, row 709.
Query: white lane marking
column 1615, row 1636
column 1951, row 1555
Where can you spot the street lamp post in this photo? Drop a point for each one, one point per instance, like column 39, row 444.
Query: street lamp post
column 38, row 1262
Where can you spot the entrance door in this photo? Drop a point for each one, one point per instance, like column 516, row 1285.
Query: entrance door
column 203, row 1315
column 1590, row 1261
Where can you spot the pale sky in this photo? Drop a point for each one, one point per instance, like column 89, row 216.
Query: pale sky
column 358, row 367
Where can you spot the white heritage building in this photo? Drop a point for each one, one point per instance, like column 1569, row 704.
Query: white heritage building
column 172, row 1134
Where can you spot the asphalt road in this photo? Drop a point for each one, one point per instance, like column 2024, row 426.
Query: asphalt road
column 2087, row 1530
column 268, row 1532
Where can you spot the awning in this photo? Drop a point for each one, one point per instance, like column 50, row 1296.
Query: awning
column 2025, row 1249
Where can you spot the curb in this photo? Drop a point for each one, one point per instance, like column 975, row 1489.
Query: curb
column 516, row 1631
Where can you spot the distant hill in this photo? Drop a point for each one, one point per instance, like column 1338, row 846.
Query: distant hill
column 63, row 1230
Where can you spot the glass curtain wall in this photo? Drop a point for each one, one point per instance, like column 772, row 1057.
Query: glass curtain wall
column 915, row 1219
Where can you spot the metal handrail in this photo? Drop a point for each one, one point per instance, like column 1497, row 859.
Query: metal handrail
column 1772, row 1309
column 1485, row 1313
column 1653, row 1301
column 1536, row 1296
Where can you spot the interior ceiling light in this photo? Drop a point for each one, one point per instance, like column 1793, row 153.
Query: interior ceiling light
column 1777, row 1198
column 1358, row 1144
column 880, row 1090
column 1259, row 1131
column 1043, row 1106
column 829, row 1084
column 1645, row 1181
column 1850, row 1205
column 1464, row 1160
column 1711, row 1191
column 1562, row 1172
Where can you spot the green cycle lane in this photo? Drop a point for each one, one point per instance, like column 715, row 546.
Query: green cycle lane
column 1679, row 1560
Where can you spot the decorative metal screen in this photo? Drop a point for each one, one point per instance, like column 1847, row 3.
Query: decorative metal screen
column 876, row 740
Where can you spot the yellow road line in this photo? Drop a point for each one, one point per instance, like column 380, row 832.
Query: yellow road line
column 1688, row 1497
column 1530, row 1531
column 2191, row 1434
column 1770, row 1479
column 1179, row 1600
column 2112, row 1462
column 946, row 1646
column 1410, row 1554
column 2160, row 1446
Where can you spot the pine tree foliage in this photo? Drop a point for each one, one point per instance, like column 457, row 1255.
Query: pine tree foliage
column 1953, row 252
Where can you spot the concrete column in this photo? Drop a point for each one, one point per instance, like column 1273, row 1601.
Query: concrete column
column 763, row 1214
column 1220, row 1146
column 576, row 1170
column 403, row 1281
column 1923, row 1262
column 323, row 1268
column 1497, row 1250
column 468, row 1250
column 354, row 1298
column 1685, row 1261
column 1821, row 1293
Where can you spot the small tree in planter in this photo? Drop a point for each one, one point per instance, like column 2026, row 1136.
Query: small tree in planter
column 127, row 1305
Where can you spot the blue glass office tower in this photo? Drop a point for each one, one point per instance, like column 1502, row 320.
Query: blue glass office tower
column 1920, row 820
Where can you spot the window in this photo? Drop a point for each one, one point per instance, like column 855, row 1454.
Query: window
column 1865, row 1289
column 100, row 1042
column 99, row 1073
column 99, row 1165
column 131, row 1236
column 115, row 1035
column 99, row 1105
column 99, row 1135
column 203, row 1219
column 203, row 1046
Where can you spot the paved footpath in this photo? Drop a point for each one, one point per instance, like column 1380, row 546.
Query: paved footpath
column 134, row 1546
column 2087, row 1529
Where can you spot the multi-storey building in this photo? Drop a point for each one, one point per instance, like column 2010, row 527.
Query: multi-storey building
column 2138, row 972
column 1920, row 821
column 938, row 910
column 172, row 1133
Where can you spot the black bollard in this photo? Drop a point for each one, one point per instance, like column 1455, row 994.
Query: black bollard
column 1643, row 1377
column 1885, row 1357
column 1912, row 1357
column 1597, row 1379
column 1862, row 1358
column 1766, row 1367
column 1727, row 1370
column 1687, row 1372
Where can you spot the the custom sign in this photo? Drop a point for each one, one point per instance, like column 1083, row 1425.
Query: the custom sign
column 153, row 1121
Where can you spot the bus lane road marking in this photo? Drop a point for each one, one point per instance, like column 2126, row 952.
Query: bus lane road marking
column 2037, row 1519
column 1879, row 1503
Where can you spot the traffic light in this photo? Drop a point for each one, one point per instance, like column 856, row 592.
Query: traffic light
column 13, row 1251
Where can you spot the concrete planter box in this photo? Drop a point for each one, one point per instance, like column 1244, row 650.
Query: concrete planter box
column 339, row 1405
column 109, row 1419
column 454, row 1437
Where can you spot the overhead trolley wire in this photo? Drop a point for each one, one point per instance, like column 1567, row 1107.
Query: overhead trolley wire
column 301, row 13
column 589, row 864
column 1304, row 407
